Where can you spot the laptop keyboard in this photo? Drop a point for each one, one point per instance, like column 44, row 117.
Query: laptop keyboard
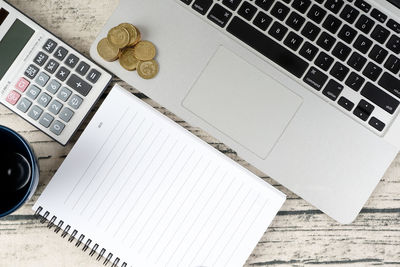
column 346, row 51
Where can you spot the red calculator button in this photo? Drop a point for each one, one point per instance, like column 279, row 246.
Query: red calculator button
column 13, row 97
column 22, row 84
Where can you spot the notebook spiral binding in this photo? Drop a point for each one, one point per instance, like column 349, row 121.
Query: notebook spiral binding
column 79, row 241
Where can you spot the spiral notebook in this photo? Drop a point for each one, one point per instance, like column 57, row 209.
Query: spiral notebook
column 140, row 190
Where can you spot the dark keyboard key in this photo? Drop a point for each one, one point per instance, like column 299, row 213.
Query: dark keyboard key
column 332, row 24
column 278, row 31
column 361, row 114
column 233, row 4
column 380, row 34
column 301, row 5
column 280, row 11
column 393, row 64
column 341, row 51
column 202, row 6
column 93, row 76
column 295, row 21
column 345, row 103
column 362, row 44
column 264, row 4
column 262, row 20
column 79, row 85
column 60, row 53
column 71, row 61
column 316, row 13
column 62, row 74
column 310, row 31
column 356, row 61
column 326, row 41
column 367, row 107
column 377, row 124
column 52, row 66
column 315, row 78
column 187, row 2
column 293, row 41
column 349, row 14
column 332, row 90
column 334, row 5
column 390, row 83
column 364, row 6
column 378, row 54
column 365, row 24
column 355, row 81
column 393, row 25
column 219, row 15
column 49, row 46
column 268, row 47
column 324, row 61
column 380, row 98
column 394, row 44
column 339, row 71
column 82, row 68
column 31, row 71
column 372, row 71
column 41, row 58
column 247, row 10
column 308, row 51
column 347, row 34
column 379, row 16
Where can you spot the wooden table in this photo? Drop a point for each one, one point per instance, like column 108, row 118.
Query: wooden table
column 300, row 234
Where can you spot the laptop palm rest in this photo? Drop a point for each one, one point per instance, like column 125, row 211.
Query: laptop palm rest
column 232, row 95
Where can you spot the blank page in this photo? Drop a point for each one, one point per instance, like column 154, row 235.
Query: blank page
column 152, row 194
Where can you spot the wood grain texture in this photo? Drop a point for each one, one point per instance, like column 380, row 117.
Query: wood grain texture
column 300, row 235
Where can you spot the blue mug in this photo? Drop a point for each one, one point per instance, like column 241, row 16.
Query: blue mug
column 19, row 171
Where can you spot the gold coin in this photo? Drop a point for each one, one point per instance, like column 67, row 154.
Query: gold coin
column 145, row 51
column 134, row 34
column 118, row 37
column 147, row 69
column 106, row 51
column 128, row 60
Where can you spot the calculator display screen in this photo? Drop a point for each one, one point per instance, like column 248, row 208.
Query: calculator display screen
column 12, row 44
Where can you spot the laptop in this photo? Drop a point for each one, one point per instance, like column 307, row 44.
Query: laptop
column 306, row 91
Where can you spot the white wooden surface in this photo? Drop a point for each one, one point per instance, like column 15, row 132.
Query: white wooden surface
column 300, row 235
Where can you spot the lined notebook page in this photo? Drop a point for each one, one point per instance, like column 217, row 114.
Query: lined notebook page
column 153, row 194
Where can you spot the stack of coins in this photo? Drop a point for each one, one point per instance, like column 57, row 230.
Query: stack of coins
column 124, row 43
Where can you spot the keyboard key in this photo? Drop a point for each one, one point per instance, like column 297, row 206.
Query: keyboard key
column 31, row 71
column 265, row 4
column 310, row 31
column 93, row 76
column 13, row 97
column 363, row 115
column 33, row 92
column 393, row 64
column 393, row 25
column 55, row 107
column 60, row 53
column 49, row 46
column 324, row 61
column 326, row 41
column 356, row 61
column 378, row 54
column 82, row 68
column 57, row 127
column 377, row 124
column 187, row 2
column 66, row 114
column 293, row 41
column 364, row 6
column 379, row 16
column 332, row 24
column 52, row 66
column 308, row 51
column 367, row 107
column 46, row 120
column 268, row 47
column 75, row 102
column 355, row 81
column 394, row 44
column 380, row 98
column 79, row 85
column 35, row 112
column 339, row 71
column 332, row 90
column 362, row 44
column 262, row 20
column 42, row 79
column 71, row 61
column 53, row 86
column 40, row 59
column 295, row 21
column 233, row 4
column 345, row 103
column 372, row 71
column 247, row 10
column 22, row 84
column 202, row 6
column 278, row 31
column 64, row 94
column 334, row 5
column 349, row 14
column 280, row 11
column 315, row 78
column 365, row 24
column 44, row 100
column 390, row 83
column 62, row 74
column 347, row 34
column 380, row 34
column 218, row 14
column 341, row 51
column 316, row 13
column 301, row 5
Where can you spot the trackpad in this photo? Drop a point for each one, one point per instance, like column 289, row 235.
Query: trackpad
column 242, row 102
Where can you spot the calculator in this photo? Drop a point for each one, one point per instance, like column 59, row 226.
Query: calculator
column 44, row 80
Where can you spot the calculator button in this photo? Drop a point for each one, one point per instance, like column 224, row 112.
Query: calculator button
column 49, row 46
column 22, row 84
column 57, row 127
column 79, row 85
column 24, row 105
column 31, row 71
column 55, row 107
column 42, row 79
column 53, row 86
column 33, row 92
column 93, row 76
column 44, row 100
column 60, row 53
column 75, row 102
column 52, row 66
column 64, row 94
column 71, row 61
column 46, row 120
column 62, row 74
column 35, row 112
column 66, row 114
column 41, row 58
column 82, row 68
column 13, row 97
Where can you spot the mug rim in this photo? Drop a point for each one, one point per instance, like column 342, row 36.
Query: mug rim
column 32, row 161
